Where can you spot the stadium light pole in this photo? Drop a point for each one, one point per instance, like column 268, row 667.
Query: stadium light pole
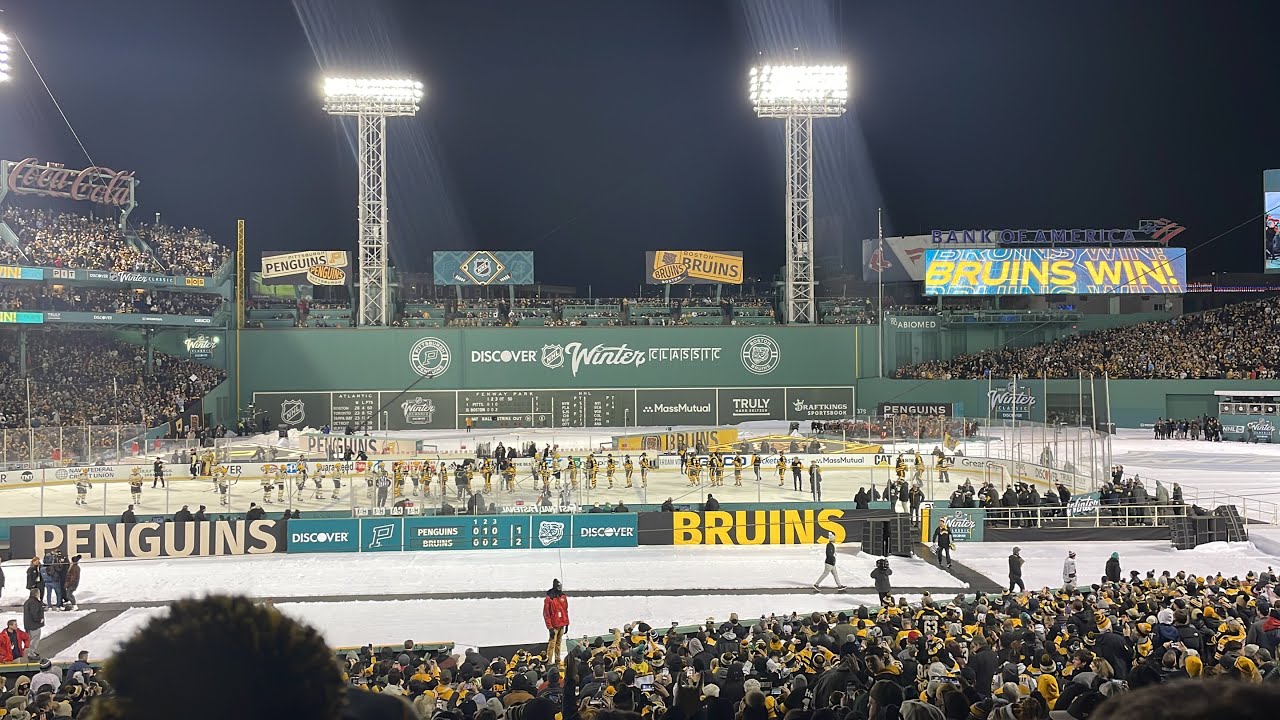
column 371, row 101
column 798, row 94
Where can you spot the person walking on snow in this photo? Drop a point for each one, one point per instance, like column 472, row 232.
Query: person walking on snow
column 555, row 613
column 829, row 567
column 1069, row 573
column 942, row 539
column 1113, row 568
column 1015, row 571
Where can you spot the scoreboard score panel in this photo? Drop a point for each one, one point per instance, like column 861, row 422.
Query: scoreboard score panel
column 485, row 532
column 603, row 407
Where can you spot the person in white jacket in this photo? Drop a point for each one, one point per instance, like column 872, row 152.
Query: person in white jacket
column 1069, row 572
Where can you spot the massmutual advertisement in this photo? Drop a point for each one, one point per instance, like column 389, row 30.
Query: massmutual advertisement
column 310, row 267
column 1271, row 220
column 693, row 267
column 1054, row 271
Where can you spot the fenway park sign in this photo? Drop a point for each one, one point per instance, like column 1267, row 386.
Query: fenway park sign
column 95, row 184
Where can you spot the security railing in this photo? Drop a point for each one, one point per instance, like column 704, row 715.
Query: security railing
column 1151, row 515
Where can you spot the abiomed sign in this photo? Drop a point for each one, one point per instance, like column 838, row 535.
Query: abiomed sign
column 110, row 541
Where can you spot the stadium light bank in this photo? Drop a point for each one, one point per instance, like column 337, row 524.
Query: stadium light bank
column 372, row 101
column 798, row 94
column 4, row 58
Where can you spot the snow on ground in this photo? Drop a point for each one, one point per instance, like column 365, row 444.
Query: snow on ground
column 491, row 622
column 1044, row 560
column 102, row 642
column 483, row 571
column 54, row 620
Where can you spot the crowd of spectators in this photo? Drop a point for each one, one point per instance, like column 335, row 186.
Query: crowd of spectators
column 106, row 300
column 1175, row 646
column 1235, row 342
column 68, row 240
column 898, row 425
column 184, row 251
column 89, row 378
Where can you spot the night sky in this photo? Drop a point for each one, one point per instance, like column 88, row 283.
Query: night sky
column 592, row 130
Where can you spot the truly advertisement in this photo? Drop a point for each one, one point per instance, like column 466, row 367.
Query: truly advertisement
column 1051, row 271
column 324, row 536
column 482, row 267
column 742, row 404
column 113, row 541
column 309, row 267
column 693, row 267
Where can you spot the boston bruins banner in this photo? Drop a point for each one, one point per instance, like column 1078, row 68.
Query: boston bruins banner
column 693, row 267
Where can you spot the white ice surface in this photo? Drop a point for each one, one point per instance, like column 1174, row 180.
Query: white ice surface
column 1043, row 564
column 53, row 620
column 690, row 568
column 492, row 622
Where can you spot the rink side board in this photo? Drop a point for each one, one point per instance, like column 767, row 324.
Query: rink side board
column 768, row 526
column 116, row 541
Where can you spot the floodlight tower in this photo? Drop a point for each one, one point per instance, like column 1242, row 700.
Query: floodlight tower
column 798, row 94
column 4, row 57
column 372, row 101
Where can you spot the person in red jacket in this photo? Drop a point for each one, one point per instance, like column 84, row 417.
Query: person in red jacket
column 13, row 643
column 555, row 612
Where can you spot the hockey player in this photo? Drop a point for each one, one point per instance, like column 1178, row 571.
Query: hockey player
column 337, row 481
column 782, row 469
column 300, row 481
column 135, row 486
column 544, row 472
column 694, row 467
column 82, row 487
column 486, row 469
column 609, row 467
column 318, row 482
column 944, row 463
column 509, row 472
column 443, row 470
column 917, row 469
column 157, row 471
column 900, row 467
column 644, row 470
column 627, row 468
column 274, row 471
column 224, row 483
column 738, row 464
column 266, row 483
column 593, row 469
column 573, row 472
column 755, row 466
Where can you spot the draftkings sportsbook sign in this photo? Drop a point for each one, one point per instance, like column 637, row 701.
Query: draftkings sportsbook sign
column 113, row 541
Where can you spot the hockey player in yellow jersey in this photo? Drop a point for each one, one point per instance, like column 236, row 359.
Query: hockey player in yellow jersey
column 900, row 467
column 627, row 468
column 509, row 472
column 135, row 486
column 917, row 474
column 644, row 470
column 544, row 472
column 782, row 469
column 593, row 469
column 486, row 469
column 755, row 465
column 738, row 464
column 609, row 467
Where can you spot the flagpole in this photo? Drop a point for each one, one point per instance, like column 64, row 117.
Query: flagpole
column 880, row 294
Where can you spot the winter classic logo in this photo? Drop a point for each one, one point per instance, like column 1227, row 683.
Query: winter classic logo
column 550, row 532
column 418, row 410
column 293, row 412
column 429, row 357
column 760, row 354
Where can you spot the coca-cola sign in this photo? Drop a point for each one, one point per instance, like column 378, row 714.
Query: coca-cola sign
column 94, row 184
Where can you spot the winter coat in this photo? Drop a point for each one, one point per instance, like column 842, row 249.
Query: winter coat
column 1069, row 571
column 1113, row 569
column 555, row 610
column 1114, row 649
column 942, row 537
column 1015, row 566
column 6, row 642
column 73, row 577
column 32, row 614
column 831, row 554
column 1, row 578
column 881, row 576
column 860, row 500
column 34, row 581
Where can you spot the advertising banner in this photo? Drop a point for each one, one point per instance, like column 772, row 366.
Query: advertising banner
column 902, row 258
column 466, row 532
column 604, row 530
column 1051, row 271
column 309, row 267
column 966, row 524
column 693, row 267
column 12, row 272
column 1271, row 221
column 324, row 536
column 910, row 323
column 95, row 184
column 482, row 267
column 886, row 409
column 1243, row 427
column 1085, row 504
column 114, row 541
column 676, row 407
column 86, row 318
column 21, row 318
column 816, row 403
column 737, row 405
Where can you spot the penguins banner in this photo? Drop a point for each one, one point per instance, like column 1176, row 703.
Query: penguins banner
column 113, row 541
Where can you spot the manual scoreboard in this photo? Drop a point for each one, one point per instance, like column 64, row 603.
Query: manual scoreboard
column 466, row 532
